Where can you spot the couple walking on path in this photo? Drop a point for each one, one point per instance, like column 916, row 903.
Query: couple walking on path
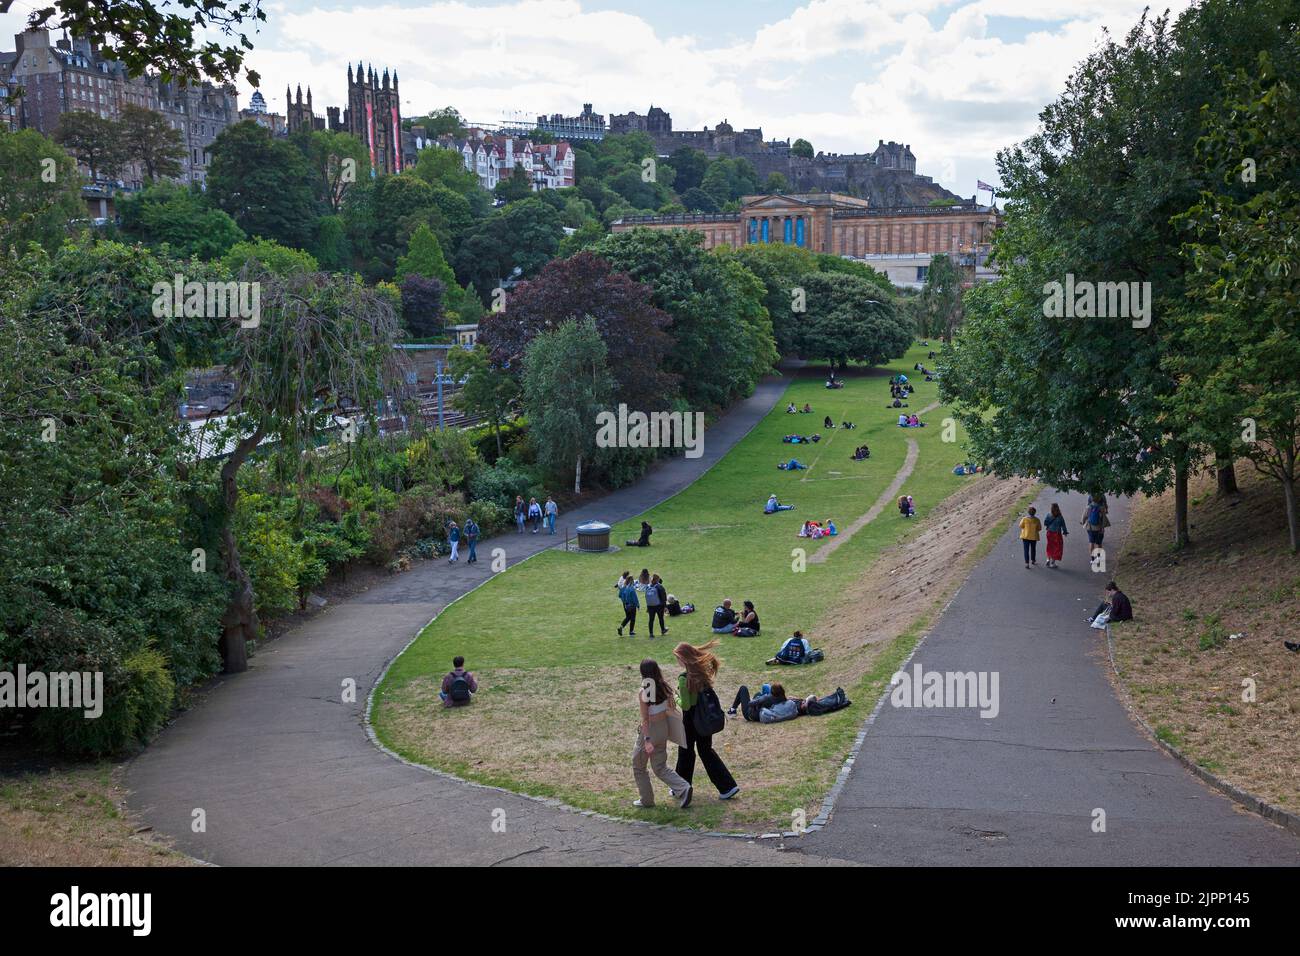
column 688, row 719
column 1094, row 520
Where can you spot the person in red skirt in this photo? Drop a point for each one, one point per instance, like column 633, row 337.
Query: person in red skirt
column 1056, row 532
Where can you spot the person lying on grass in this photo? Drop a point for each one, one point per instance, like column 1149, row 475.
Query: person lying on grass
column 771, row 706
column 796, row 651
column 794, row 464
column 676, row 608
column 773, row 506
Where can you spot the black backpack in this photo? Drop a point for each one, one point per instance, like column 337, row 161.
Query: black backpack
column 707, row 713
column 459, row 692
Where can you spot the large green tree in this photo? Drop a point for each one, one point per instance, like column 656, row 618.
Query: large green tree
column 179, row 217
column 263, row 184
column 95, row 142
column 336, row 159
column 847, row 318
column 524, row 235
column 490, row 391
column 566, row 384
column 150, row 140
column 40, row 191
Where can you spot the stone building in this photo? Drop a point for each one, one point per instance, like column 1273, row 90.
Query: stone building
column 373, row 115
column 69, row 76
column 844, row 225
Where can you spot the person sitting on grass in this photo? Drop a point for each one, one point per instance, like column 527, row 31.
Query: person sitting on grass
column 861, row 453
column 815, row 438
column 769, row 707
column 644, row 540
column 830, row 528
column 847, row 425
column 807, row 409
column 459, row 685
column 724, row 618
column 676, row 608
column 811, row 529
column 827, row 423
column 905, row 506
column 773, row 506
column 747, row 625
column 790, row 409
column 794, row 464
column 797, row 650
column 915, row 422
column 1116, row 603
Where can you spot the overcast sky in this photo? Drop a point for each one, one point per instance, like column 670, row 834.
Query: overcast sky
column 956, row 80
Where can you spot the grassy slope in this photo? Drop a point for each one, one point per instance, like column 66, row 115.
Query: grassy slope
column 557, row 712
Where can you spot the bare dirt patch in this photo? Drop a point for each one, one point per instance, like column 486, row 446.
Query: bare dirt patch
column 1185, row 670
column 572, row 728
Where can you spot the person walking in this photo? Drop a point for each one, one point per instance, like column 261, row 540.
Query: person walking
column 656, row 597
column 471, row 532
column 655, row 699
column 453, row 538
column 1095, row 521
column 521, row 513
column 552, row 509
column 1056, row 532
column 1030, row 528
column 535, row 514
column 628, row 594
column 701, row 667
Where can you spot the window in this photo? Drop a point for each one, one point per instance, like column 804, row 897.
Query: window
column 920, row 273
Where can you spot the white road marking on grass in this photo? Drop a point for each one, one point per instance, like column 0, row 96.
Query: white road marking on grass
column 886, row 497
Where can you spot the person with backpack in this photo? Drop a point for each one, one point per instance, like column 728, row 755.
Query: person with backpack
column 656, row 601
column 521, row 513
column 458, row 686
column 1056, row 532
column 471, row 532
column 1096, row 521
column 628, row 594
column 797, row 650
column 1030, row 527
column 657, row 706
column 453, row 538
column 701, row 711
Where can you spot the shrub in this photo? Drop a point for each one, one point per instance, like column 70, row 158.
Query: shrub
column 491, row 517
column 418, row 514
column 501, row 483
column 445, row 458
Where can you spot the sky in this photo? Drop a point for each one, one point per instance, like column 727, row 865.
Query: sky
column 956, row 80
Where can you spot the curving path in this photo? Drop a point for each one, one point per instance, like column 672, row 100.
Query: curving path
column 945, row 786
column 285, row 774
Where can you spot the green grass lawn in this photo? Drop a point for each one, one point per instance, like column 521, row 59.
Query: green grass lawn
column 557, row 712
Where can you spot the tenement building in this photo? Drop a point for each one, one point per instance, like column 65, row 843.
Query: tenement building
column 899, row 240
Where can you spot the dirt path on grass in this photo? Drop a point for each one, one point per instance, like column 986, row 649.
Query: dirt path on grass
column 883, row 502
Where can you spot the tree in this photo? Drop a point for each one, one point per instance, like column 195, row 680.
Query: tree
column 267, row 256
column 444, row 122
column 424, row 258
column 335, row 158
column 518, row 185
column 775, row 183
column 690, row 165
column 422, row 305
column 781, row 268
column 940, row 299
column 150, row 140
column 324, row 344
column 847, row 318
column 801, row 147
column 566, row 384
column 95, row 142
column 180, row 45
column 697, row 200
column 723, row 332
column 179, row 217
column 262, row 183
column 490, row 391
column 635, row 333
column 524, row 235
column 1238, row 369
column 40, row 191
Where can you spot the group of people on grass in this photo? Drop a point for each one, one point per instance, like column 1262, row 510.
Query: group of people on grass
column 910, row 421
column 801, row 439
column 535, row 514
column 806, row 410
column 861, row 453
column 690, row 718
column 658, row 602
column 815, row 529
column 727, row 621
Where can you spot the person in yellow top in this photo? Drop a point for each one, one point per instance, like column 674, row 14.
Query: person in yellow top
column 1030, row 529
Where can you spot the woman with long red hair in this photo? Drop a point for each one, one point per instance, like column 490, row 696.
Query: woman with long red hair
column 701, row 667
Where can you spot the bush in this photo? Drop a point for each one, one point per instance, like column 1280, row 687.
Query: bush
column 418, row 514
column 491, row 517
column 501, row 483
column 269, row 553
column 445, row 458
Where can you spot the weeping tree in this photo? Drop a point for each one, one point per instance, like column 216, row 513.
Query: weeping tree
column 322, row 345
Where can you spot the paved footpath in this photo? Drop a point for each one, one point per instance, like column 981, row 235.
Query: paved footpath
column 945, row 786
column 286, row 775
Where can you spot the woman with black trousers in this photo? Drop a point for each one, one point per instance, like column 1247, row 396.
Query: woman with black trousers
column 701, row 667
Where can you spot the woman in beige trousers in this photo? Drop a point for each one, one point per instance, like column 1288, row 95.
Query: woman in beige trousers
column 656, row 700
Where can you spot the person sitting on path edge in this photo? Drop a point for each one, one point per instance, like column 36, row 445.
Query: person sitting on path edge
column 1116, row 604
column 458, row 686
